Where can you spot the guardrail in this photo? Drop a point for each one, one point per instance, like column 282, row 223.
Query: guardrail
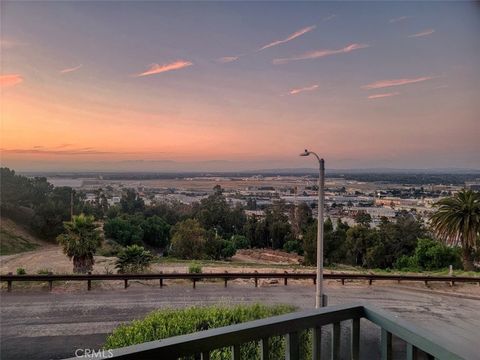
column 200, row 345
column 226, row 276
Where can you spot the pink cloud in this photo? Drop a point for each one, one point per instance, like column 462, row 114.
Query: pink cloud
column 321, row 53
column 157, row 68
column 72, row 69
column 295, row 35
column 300, row 90
column 227, row 59
column 8, row 80
column 395, row 82
column 423, row 33
column 379, row 96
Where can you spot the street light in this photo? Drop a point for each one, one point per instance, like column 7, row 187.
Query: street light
column 319, row 298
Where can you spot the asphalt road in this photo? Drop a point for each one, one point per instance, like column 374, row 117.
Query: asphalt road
column 43, row 325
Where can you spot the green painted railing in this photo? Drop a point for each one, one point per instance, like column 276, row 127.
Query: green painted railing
column 201, row 344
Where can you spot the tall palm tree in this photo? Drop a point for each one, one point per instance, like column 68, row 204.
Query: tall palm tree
column 457, row 222
column 80, row 240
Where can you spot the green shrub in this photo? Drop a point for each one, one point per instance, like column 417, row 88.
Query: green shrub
column 240, row 242
column 133, row 259
column 432, row 255
column 21, row 271
column 195, row 268
column 109, row 248
column 44, row 272
column 162, row 324
column 292, row 246
column 407, row 263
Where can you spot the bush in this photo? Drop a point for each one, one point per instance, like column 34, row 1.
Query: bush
column 240, row 242
column 292, row 246
column 433, row 255
column 407, row 263
column 21, row 271
column 195, row 268
column 109, row 248
column 162, row 324
column 188, row 240
column 44, row 272
column 133, row 259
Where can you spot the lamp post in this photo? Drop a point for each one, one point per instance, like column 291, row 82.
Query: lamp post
column 319, row 298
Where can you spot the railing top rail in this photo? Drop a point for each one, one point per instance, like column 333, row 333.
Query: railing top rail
column 207, row 340
column 439, row 347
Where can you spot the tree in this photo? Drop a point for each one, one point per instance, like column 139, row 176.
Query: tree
column 80, row 241
column 133, row 259
column 363, row 218
column 188, row 240
column 131, row 203
column 156, row 232
column 126, row 230
column 457, row 222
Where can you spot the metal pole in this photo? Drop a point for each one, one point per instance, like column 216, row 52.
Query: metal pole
column 321, row 189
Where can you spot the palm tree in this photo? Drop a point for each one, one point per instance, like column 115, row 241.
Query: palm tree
column 80, row 240
column 457, row 222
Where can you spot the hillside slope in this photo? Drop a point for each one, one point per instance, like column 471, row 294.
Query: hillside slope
column 16, row 239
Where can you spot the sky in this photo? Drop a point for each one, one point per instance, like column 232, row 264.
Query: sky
column 223, row 86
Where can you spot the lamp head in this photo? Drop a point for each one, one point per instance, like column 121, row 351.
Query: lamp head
column 305, row 153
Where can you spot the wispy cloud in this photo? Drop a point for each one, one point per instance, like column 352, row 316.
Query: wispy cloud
column 227, row 59
column 329, row 17
column 398, row 19
column 423, row 33
column 295, row 35
column 320, row 53
column 303, row 89
column 379, row 96
column 10, row 80
column 157, row 68
column 72, row 69
column 395, row 82
column 40, row 150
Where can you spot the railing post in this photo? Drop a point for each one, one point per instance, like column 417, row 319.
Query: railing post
column 335, row 341
column 386, row 343
column 292, row 350
column 264, row 351
column 89, row 282
column 256, row 278
column 285, row 281
column 125, row 283
column 343, row 281
column 225, row 279
column 50, row 282
column 9, row 283
column 205, row 355
column 194, row 282
column 161, row 279
column 355, row 339
column 236, row 352
column 370, row 281
column 317, row 343
column 412, row 352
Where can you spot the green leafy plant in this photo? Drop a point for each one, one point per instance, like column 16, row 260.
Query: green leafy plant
column 21, row 271
column 165, row 323
column 195, row 268
column 133, row 259
column 44, row 272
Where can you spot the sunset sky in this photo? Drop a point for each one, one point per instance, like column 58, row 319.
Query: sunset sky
column 211, row 86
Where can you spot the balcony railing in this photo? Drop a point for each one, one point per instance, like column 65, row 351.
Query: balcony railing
column 200, row 345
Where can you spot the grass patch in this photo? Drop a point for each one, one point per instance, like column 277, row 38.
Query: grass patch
column 13, row 244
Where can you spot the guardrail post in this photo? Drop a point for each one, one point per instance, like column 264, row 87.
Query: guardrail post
column 194, row 280
column 370, row 281
column 236, row 352
column 412, row 352
column 225, row 279
column 335, row 341
column 292, row 349
column 343, row 281
column 256, row 278
column 355, row 339
column 50, row 282
column 264, row 352
column 386, row 343
column 9, row 283
column 125, row 283
column 285, row 280
column 89, row 282
column 317, row 343
column 161, row 280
